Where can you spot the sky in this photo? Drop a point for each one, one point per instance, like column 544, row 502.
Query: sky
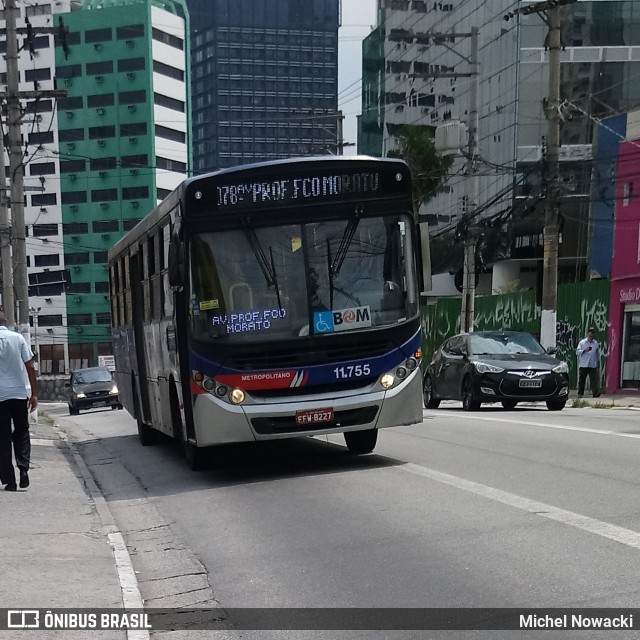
column 358, row 18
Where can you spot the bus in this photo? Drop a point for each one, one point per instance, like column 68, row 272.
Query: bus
column 272, row 300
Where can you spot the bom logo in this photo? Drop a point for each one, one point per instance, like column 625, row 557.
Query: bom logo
column 356, row 318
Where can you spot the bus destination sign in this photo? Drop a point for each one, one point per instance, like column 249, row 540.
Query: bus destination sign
column 257, row 193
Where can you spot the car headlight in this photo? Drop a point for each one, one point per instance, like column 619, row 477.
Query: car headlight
column 563, row 367
column 114, row 390
column 483, row 367
column 80, row 395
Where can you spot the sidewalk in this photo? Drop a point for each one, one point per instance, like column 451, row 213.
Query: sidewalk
column 54, row 549
column 618, row 400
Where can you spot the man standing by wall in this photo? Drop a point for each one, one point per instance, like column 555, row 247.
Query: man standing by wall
column 15, row 355
column 588, row 359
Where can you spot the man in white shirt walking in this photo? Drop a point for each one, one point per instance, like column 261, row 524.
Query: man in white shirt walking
column 15, row 355
column 588, row 352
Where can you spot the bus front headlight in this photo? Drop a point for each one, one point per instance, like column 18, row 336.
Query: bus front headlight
column 237, row 396
column 387, row 380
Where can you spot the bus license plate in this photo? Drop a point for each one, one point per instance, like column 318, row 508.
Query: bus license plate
column 314, row 416
column 530, row 384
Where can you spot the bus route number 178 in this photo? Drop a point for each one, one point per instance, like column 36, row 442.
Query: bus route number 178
column 352, row 371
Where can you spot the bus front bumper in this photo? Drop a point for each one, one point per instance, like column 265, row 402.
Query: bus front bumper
column 218, row 422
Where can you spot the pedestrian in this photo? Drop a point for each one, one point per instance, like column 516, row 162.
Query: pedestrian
column 588, row 359
column 15, row 403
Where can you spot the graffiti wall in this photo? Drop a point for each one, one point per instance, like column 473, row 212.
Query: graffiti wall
column 580, row 306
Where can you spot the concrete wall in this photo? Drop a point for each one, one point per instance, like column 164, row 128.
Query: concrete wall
column 52, row 389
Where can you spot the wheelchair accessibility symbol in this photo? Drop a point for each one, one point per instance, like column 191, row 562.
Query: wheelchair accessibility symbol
column 323, row 322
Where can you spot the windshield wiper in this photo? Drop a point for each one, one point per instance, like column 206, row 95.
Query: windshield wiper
column 275, row 279
column 345, row 243
column 268, row 268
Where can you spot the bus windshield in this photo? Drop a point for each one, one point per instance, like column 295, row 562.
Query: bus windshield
column 278, row 282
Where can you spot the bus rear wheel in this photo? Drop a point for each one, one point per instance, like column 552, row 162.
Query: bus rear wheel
column 359, row 442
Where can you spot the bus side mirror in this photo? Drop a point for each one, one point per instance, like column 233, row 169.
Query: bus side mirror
column 425, row 256
column 176, row 262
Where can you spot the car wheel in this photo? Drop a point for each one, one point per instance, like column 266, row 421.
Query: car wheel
column 468, row 401
column 359, row 442
column 427, row 388
column 120, row 407
column 509, row 404
column 556, row 405
column 72, row 411
column 114, row 407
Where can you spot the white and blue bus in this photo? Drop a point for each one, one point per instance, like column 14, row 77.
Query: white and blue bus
column 272, row 300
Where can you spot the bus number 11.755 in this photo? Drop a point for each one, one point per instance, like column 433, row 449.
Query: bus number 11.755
column 353, row 371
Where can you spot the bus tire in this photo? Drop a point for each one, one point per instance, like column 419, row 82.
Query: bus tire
column 176, row 417
column 359, row 442
column 148, row 436
column 195, row 456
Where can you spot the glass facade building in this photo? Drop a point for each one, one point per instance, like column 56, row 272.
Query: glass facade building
column 416, row 71
column 265, row 78
column 600, row 68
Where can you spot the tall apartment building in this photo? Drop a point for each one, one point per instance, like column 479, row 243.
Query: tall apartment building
column 102, row 157
column 123, row 141
column 43, row 212
column 412, row 74
column 265, row 80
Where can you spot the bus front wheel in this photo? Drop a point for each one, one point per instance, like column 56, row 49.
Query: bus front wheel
column 146, row 434
column 359, row 442
column 195, row 456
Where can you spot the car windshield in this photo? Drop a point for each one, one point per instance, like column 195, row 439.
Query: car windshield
column 89, row 376
column 282, row 282
column 504, row 343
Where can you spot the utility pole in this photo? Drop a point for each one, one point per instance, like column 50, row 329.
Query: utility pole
column 13, row 97
column 549, row 11
column 16, row 169
column 5, row 243
column 551, row 227
column 471, row 232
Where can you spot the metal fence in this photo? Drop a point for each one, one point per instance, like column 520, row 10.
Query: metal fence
column 581, row 306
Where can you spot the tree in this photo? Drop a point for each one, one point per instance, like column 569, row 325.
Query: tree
column 428, row 168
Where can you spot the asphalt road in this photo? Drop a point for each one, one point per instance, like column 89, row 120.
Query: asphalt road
column 522, row 508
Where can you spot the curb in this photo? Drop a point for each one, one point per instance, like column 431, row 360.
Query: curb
column 131, row 596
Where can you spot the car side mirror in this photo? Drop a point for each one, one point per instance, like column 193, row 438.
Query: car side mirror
column 457, row 351
column 552, row 350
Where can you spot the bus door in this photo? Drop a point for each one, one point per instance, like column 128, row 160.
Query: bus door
column 138, row 331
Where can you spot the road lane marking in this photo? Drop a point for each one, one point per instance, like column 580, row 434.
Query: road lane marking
column 547, row 425
column 613, row 532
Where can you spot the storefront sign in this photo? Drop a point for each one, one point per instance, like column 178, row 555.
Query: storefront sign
column 630, row 295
